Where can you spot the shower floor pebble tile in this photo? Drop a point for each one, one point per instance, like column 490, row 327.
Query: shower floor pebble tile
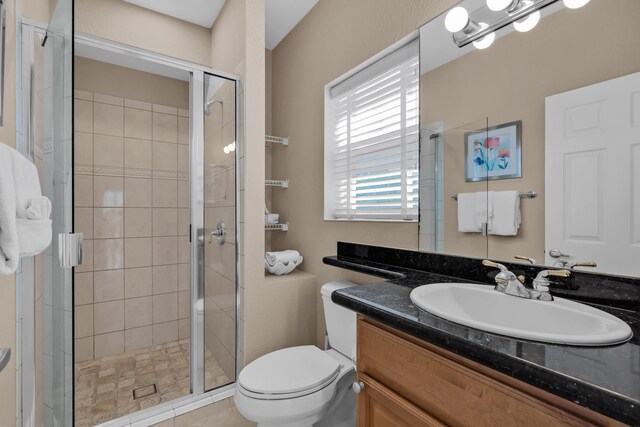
column 104, row 387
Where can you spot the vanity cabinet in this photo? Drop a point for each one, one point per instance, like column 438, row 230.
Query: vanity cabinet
column 409, row 382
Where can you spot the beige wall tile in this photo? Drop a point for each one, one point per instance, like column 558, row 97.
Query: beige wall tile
column 108, row 191
column 165, row 156
column 183, row 113
column 184, row 303
column 82, row 148
column 140, row 105
column 165, row 307
column 108, row 119
column 83, row 221
column 138, row 252
column 108, row 344
column 108, row 285
column 165, row 250
column 83, row 349
column 83, row 116
column 165, row 109
column 184, row 328
column 165, row 127
column 83, row 94
column 137, row 153
column 137, row 222
column 183, row 158
column 183, row 194
column 108, row 150
column 83, row 190
column 165, row 193
column 184, row 220
column 165, row 279
column 108, row 223
column 138, row 312
column 165, row 332
column 83, row 288
column 137, row 282
column 165, row 222
column 108, row 317
column 184, row 249
column 137, row 123
column 83, row 321
column 184, row 276
column 108, row 99
column 138, row 338
column 108, row 254
column 183, row 130
column 87, row 258
column 138, row 192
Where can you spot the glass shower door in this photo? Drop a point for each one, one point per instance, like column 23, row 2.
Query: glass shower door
column 220, row 250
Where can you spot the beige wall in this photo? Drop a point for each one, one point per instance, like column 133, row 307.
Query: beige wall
column 520, row 70
column 129, row 24
column 101, row 77
column 228, row 36
column 7, row 283
column 332, row 39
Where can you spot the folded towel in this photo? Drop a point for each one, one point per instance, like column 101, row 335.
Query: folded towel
column 506, row 213
column 484, row 206
column 9, row 249
column 33, row 236
column 39, row 208
column 284, row 257
column 467, row 216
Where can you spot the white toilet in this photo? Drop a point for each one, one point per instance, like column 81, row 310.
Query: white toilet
column 305, row 386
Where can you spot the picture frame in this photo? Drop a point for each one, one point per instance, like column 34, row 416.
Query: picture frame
column 494, row 153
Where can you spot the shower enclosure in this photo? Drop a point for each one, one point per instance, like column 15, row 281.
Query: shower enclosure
column 146, row 323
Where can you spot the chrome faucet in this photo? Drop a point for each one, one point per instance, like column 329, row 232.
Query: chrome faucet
column 508, row 283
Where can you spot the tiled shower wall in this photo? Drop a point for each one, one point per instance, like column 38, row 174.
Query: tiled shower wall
column 131, row 201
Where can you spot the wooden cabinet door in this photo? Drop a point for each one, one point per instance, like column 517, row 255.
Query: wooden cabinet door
column 380, row 407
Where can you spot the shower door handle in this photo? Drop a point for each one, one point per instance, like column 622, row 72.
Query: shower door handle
column 70, row 249
column 219, row 233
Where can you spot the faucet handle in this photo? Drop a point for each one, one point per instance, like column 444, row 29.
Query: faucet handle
column 488, row 263
column 557, row 273
column 584, row 264
column 526, row 258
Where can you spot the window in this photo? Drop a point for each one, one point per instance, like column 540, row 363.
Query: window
column 371, row 140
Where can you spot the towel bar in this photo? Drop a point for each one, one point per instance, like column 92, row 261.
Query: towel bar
column 528, row 195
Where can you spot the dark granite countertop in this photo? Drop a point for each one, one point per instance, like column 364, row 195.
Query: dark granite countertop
column 604, row 379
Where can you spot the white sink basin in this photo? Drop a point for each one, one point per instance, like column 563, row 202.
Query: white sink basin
column 560, row 321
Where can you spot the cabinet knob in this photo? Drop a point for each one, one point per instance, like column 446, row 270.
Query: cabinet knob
column 357, row 387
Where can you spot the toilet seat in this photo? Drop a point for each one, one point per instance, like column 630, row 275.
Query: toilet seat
column 288, row 373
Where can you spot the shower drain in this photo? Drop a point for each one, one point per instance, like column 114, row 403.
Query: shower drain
column 144, row 391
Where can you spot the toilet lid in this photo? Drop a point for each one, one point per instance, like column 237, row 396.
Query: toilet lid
column 290, row 370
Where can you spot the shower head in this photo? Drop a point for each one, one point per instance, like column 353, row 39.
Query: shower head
column 209, row 103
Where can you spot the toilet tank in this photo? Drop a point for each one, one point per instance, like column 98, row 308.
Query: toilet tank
column 340, row 321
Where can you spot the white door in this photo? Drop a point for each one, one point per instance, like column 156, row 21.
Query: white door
column 592, row 175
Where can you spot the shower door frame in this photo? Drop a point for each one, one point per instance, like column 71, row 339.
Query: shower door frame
column 199, row 397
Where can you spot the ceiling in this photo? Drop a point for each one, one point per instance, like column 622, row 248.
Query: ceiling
column 199, row 12
column 281, row 15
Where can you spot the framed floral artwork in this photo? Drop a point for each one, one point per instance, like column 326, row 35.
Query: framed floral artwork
column 493, row 153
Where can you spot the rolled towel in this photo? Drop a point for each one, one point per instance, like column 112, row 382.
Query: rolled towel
column 39, row 208
column 284, row 257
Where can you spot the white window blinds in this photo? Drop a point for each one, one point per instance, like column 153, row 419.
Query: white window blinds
column 371, row 141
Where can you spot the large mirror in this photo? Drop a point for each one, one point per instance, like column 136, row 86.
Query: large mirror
column 552, row 114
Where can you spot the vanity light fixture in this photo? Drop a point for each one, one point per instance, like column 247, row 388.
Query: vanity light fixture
column 230, row 148
column 523, row 14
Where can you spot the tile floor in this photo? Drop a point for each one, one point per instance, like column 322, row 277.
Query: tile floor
column 104, row 387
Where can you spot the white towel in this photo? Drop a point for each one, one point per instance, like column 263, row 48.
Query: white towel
column 38, row 208
column 506, row 213
column 467, row 216
column 284, row 257
column 9, row 249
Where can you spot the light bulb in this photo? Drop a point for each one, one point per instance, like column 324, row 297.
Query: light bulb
column 498, row 5
column 486, row 41
column 232, row 147
column 527, row 23
column 457, row 19
column 226, row 149
column 575, row 4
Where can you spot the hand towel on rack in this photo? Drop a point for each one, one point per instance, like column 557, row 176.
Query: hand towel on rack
column 506, row 213
column 484, row 208
column 467, row 217
column 9, row 248
column 284, row 257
